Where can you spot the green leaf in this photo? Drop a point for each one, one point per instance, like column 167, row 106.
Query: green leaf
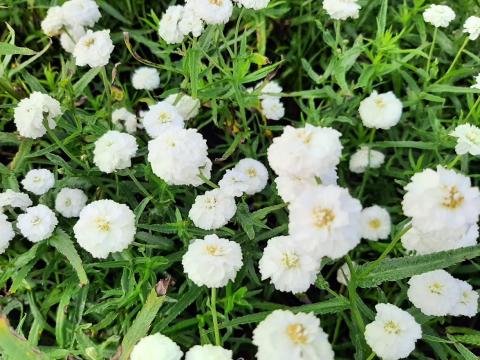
column 81, row 84
column 15, row 346
column 110, row 10
column 62, row 242
column 405, row 267
column 9, row 49
column 140, row 325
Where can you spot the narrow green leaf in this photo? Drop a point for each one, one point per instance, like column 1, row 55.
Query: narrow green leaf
column 81, row 84
column 10, row 49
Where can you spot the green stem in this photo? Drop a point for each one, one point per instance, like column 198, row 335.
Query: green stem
column 472, row 110
column 432, row 46
column 372, row 355
column 213, row 308
column 457, row 57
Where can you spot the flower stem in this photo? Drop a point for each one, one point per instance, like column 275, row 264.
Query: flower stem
column 431, row 51
column 457, row 57
column 472, row 110
column 213, row 308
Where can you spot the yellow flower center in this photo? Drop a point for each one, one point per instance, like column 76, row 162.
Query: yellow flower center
column 102, row 224
column 213, row 250
column 375, row 224
column 252, row 172
column 322, row 217
column 290, row 260
column 89, row 42
column 453, row 199
column 216, row 2
column 164, row 117
column 37, row 179
column 36, row 220
column 436, row 288
column 210, row 202
column 68, row 202
column 473, row 137
column 391, row 327
column 297, row 333
column 379, row 102
column 305, row 136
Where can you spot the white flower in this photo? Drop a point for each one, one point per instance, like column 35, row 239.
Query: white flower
column 104, row 227
column 212, row 261
column 212, row 210
column 190, row 23
column 125, row 116
column 468, row 302
column 381, row 111
column 364, row 159
column 273, row 108
column 305, row 152
column 284, row 335
column 156, row 346
column 375, row 223
column 288, row 265
column 114, row 151
column 70, row 36
column 393, row 333
column 81, row 12
column 342, row 9
column 439, row 15
column 441, row 240
column 213, row 11
column 208, row 352
column 434, row 293
column 233, row 183
column 472, row 27
column 477, row 82
column 256, row 172
column 179, row 156
column 69, row 202
column 30, row 114
column 14, row 199
column 343, row 274
column 269, row 90
column 146, row 78
column 53, row 23
column 6, row 233
column 93, row 49
column 441, row 199
column 161, row 116
column 168, row 28
column 186, row 105
column 468, row 139
column 326, row 220
column 37, row 223
column 253, row 4
column 38, row 181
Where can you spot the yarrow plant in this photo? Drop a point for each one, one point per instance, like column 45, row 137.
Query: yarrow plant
column 239, row 179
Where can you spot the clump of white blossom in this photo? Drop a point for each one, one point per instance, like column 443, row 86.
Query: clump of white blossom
column 160, row 117
column 208, row 351
column 69, row 202
column 14, row 199
column 472, row 27
column 114, row 151
column 381, row 111
column 375, row 223
column 93, row 49
column 365, row 158
column 38, row 181
column 285, row 335
column 439, row 15
column 212, row 210
column 212, row 261
column 187, row 106
column 393, row 333
column 342, row 9
column 156, row 346
column 270, row 100
column 123, row 118
column 6, row 233
column 37, row 223
column 145, row 78
column 104, row 227
column 32, row 113
column 468, row 139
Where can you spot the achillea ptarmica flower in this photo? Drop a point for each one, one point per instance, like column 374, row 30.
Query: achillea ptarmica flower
column 38, row 181
column 344, row 275
column 31, row 113
column 435, row 293
column 441, row 199
column 160, row 117
column 81, row 13
column 477, row 82
column 146, row 78
column 381, row 111
column 6, row 233
column 253, row 4
column 156, row 346
column 308, row 152
column 187, row 106
column 468, row 139
column 366, row 158
column 439, row 15
column 93, row 49
column 114, row 151
column 393, row 333
column 70, row 36
column 179, row 156
column 326, row 220
column 256, row 173
column 285, row 335
column 128, row 119
column 233, row 183
column 273, row 108
column 472, row 27
column 288, row 265
column 168, row 28
column 375, row 223
column 53, row 23
column 190, row 23
column 342, row 9
column 208, row 352
column 14, row 199
column 468, row 302
column 213, row 11
column 37, row 223
column 104, row 227
column 212, row 261
column 69, row 202
column 212, row 210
